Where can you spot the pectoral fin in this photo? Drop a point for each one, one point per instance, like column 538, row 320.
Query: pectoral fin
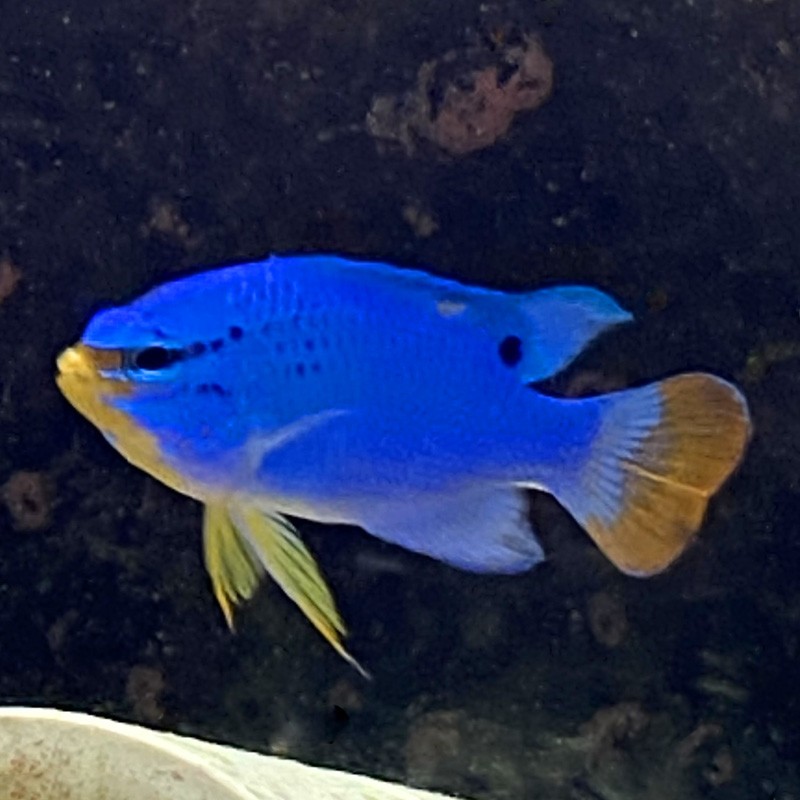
column 241, row 543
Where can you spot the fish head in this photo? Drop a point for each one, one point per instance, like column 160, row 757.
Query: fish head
column 155, row 377
column 85, row 377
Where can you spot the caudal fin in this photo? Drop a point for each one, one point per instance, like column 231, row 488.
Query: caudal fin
column 660, row 453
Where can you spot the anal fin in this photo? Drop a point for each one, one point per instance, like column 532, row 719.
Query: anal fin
column 478, row 528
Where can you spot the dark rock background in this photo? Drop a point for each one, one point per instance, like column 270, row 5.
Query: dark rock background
column 139, row 140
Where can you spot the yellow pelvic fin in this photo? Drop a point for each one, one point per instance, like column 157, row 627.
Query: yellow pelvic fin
column 234, row 570
column 241, row 543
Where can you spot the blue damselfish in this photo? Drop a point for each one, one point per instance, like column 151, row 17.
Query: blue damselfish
column 365, row 394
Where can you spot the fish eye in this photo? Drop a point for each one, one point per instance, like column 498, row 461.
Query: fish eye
column 153, row 358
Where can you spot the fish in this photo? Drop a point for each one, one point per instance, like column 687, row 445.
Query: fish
column 361, row 393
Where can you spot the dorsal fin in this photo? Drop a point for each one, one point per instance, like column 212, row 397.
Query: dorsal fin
column 556, row 325
column 553, row 325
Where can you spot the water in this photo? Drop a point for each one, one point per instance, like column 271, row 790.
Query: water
column 138, row 140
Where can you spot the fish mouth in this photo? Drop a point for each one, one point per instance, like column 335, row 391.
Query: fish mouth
column 81, row 377
column 76, row 373
column 72, row 361
column 80, row 360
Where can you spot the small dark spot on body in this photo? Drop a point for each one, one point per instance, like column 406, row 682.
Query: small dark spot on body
column 309, row 344
column 280, row 347
column 300, row 369
column 235, row 333
column 217, row 344
column 212, row 388
column 197, row 349
column 510, row 351
column 315, row 367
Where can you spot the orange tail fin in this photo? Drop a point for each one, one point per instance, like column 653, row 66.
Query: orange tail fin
column 660, row 454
